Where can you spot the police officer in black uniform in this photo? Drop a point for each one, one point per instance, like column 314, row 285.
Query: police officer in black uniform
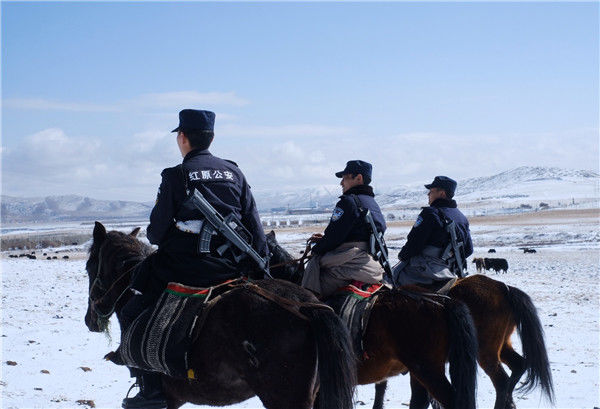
column 347, row 232
column 174, row 228
column 422, row 257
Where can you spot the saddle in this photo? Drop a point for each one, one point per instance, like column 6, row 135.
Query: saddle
column 159, row 339
column 353, row 304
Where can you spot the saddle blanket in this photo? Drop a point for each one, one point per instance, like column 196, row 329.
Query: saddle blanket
column 160, row 338
column 353, row 305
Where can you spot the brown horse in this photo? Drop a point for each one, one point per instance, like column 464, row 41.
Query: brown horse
column 250, row 344
column 497, row 310
column 408, row 330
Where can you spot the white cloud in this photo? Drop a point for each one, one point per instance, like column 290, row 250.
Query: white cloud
column 52, row 162
column 50, row 105
column 187, row 98
column 171, row 101
column 298, row 131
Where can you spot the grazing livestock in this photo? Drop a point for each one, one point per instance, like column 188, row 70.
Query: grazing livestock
column 496, row 264
column 491, row 250
column 478, row 264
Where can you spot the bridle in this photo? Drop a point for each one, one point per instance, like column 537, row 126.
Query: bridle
column 97, row 283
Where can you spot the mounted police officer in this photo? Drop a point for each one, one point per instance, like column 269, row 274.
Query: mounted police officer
column 341, row 255
column 439, row 242
column 174, row 228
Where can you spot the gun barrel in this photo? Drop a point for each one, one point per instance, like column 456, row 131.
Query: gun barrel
column 218, row 223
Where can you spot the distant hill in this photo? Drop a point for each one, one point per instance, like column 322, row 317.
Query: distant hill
column 524, row 186
column 521, row 185
column 70, row 207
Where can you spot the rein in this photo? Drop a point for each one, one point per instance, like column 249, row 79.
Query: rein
column 300, row 260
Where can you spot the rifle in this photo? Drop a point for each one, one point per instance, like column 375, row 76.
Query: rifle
column 377, row 247
column 231, row 228
column 454, row 248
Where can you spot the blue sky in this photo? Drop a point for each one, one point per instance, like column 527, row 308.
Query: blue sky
column 91, row 91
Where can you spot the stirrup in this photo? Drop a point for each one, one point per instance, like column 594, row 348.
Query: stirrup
column 136, row 383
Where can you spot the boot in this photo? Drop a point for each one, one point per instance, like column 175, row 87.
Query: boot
column 150, row 395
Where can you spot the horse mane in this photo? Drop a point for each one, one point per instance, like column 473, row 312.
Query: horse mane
column 121, row 245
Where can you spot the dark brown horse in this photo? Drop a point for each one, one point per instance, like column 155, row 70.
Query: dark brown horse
column 497, row 310
column 250, row 344
column 408, row 330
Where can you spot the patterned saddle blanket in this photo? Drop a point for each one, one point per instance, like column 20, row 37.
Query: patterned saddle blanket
column 353, row 304
column 160, row 337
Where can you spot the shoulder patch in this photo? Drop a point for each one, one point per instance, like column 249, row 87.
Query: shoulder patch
column 337, row 213
column 419, row 221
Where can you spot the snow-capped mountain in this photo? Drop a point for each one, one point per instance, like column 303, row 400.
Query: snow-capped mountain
column 71, row 207
column 524, row 186
column 316, row 197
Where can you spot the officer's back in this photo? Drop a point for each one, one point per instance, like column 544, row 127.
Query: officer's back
column 174, row 227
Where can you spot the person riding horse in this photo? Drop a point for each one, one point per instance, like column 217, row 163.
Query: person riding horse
column 174, row 228
column 340, row 255
column 439, row 242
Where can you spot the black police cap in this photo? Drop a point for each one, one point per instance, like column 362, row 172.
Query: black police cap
column 195, row 120
column 356, row 167
column 443, row 182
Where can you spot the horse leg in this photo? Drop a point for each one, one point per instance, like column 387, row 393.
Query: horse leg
column 438, row 386
column 492, row 366
column 174, row 403
column 299, row 395
column 380, row 388
column 516, row 363
column 419, row 398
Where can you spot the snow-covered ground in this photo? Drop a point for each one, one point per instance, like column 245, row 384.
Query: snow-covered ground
column 57, row 362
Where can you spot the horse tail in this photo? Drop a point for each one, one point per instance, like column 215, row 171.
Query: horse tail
column 532, row 340
column 462, row 354
column 337, row 364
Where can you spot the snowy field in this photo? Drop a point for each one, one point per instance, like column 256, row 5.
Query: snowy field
column 50, row 360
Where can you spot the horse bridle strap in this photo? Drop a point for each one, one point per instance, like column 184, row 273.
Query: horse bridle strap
column 101, row 285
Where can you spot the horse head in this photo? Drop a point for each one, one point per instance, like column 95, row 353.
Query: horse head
column 282, row 264
column 109, row 268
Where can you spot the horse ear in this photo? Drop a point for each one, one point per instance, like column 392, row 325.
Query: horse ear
column 99, row 233
column 135, row 232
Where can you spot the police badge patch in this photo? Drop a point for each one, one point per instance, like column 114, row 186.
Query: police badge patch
column 337, row 213
column 418, row 222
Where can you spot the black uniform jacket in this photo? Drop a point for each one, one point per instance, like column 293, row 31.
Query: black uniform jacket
column 346, row 224
column 224, row 186
column 429, row 229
